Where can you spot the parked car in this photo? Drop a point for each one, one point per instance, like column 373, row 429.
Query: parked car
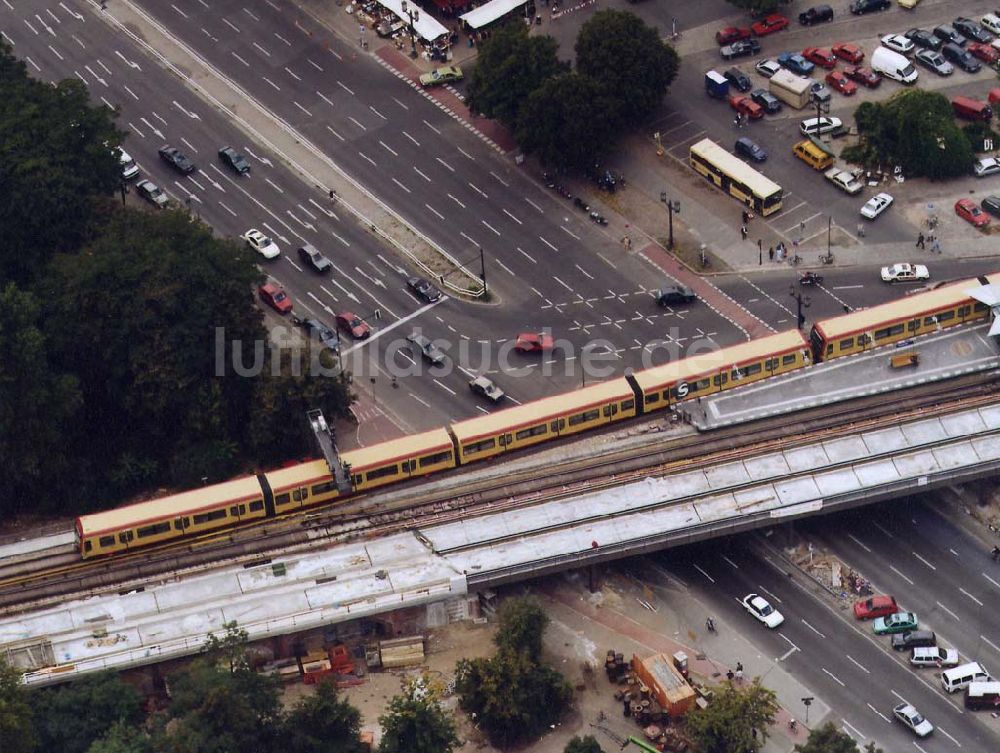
column 731, row 34
column 671, row 294
column 531, row 342
column 912, row 719
column 848, row 52
column 794, row 62
column 743, row 48
column 428, row 350
column 819, row 126
column 319, row 331
column 860, row 7
column 423, row 289
column 897, row 43
column 971, row 30
column 759, row 607
column 746, row 106
column 234, row 160
column 275, row 296
column 992, row 205
column 176, row 159
column 985, row 52
column 314, row 259
column 875, row 606
column 934, row 656
column 876, row 205
column 820, row 56
column 487, row 388
column 837, row 80
column 769, row 25
column 968, row 211
column 152, row 193
column 443, row 75
column 261, row 243
column 765, row 99
column 129, row 168
column 961, row 58
column 815, row 15
column 985, row 166
column 819, row 93
column 864, row 76
column 767, row 67
column 934, row 61
column 913, row 639
column 905, row 273
column 923, row 38
column 898, row 622
column 946, row 34
column 353, row 325
column 992, row 22
column 738, row 79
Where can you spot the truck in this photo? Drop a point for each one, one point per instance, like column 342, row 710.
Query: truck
column 716, row 85
column 793, row 90
column 844, row 180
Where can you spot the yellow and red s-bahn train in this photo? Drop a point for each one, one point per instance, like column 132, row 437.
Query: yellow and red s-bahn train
column 285, row 490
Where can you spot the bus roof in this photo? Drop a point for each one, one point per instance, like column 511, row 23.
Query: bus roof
column 735, row 168
column 383, row 453
column 686, row 369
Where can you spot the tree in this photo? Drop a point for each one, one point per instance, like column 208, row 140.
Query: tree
column 17, row 727
column 629, row 60
column 71, row 717
column 828, row 739
column 510, row 66
column 521, row 627
column 322, row 723
column 122, row 738
column 759, row 7
column 570, row 122
column 416, row 723
column 586, row 744
column 735, row 722
column 230, row 648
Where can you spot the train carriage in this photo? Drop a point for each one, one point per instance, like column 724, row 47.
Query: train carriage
column 309, row 483
column 400, row 459
column 542, row 420
column 721, row 369
column 918, row 314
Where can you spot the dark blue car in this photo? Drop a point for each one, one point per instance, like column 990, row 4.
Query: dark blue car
column 747, row 148
column 794, row 62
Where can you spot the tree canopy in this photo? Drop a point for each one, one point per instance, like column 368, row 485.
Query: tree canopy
column 587, row 744
column 827, row 739
column 759, row 7
column 736, row 721
column 69, row 718
column 322, row 723
column 521, row 627
column 17, row 729
column 416, row 723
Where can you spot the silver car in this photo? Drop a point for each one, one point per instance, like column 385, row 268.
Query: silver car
column 767, row 68
column 935, row 61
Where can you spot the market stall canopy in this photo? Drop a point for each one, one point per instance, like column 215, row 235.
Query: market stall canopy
column 484, row 15
column 428, row 28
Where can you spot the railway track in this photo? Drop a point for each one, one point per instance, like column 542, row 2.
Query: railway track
column 40, row 581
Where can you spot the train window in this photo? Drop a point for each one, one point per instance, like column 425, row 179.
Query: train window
column 181, row 523
column 558, row 425
column 124, row 537
column 864, row 339
column 505, row 439
column 895, row 329
column 979, row 307
column 580, row 418
column 720, row 379
column 930, row 321
column 238, row 510
column 771, row 364
column 610, row 410
column 107, row 541
column 701, row 384
column 945, row 316
column 964, row 311
column 913, row 325
column 628, row 404
column 653, row 397
column 534, row 431
column 208, row 517
column 282, row 499
column 88, row 545
column 256, row 506
column 473, row 447
column 153, row 529
column 438, row 457
column 330, row 486
column 847, row 342
column 829, row 349
column 297, row 494
column 389, row 470
column 788, row 360
column 751, row 369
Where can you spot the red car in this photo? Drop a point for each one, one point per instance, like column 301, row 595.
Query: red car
column 769, row 25
column 848, row 52
column 837, row 80
column 985, row 52
column 968, row 211
column 746, row 106
column 353, row 325
column 529, row 342
column 865, row 76
column 819, row 56
column 732, row 34
column 994, row 95
column 875, row 606
column 274, row 296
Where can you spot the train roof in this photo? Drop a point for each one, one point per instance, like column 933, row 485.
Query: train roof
column 910, row 307
column 172, row 506
column 687, row 369
column 301, row 474
column 383, row 453
column 539, row 411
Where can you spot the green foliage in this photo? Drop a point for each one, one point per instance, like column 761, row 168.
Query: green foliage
column 570, row 122
column 629, row 60
column 759, row 7
column 513, row 699
column 978, row 133
column 17, row 728
column 230, row 649
column 122, row 738
column 322, row 723
column 828, row 739
column 415, row 723
column 509, row 67
column 586, row 744
column 728, row 725
column 55, row 159
column 71, row 717
column 521, row 627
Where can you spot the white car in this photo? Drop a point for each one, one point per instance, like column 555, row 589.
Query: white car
column 759, row 607
column 905, row 273
column 913, row 719
column 934, row 656
column 897, row 43
column 767, row 67
column 986, row 166
column 261, row 243
column 818, row 126
column 129, row 168
column 876, row 205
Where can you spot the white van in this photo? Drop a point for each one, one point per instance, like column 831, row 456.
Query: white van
column 992, row 22
column 959, row 677
column 893, row 65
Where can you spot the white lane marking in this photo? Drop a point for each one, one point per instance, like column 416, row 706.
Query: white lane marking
column 476, row 188
column 883, row 530
column 491, row 227
column 335, row 133
column 356, row 122
column 388, row 148
column 456, row 201
column 366, row 157
column 812, row 628
column 858, row 542
column 227, row 209
column 292, row 73
column 857, row 664
column 445, row 164
column 400, row 104
column 893, row 568
column 990, row 643
column 547, row 243
column 845, row 287
column 273, row 85
column 534, row 205
column 569, row 232
column 995, row 583
column 948, row 736
column 345, row 87
column 240, row 59
column 466, row 153
column 879, row 713
column 302, row 108
column 924, row 561
column 563, row 284
column 420, row 400
column 528, row 257
column 422, row 174
column 432, row 128
column 945, row 609
column 401, row 186
column 500, row 180
column 444, row 387
column 709, row 577
column 512, row 217
column 317, row 66
column 584, row 271
column 377, row 112
column 417, row 143
column 262, row 50
column 966, row 593
column 231, row 25
column 274, row 185
column 504, row 267
column 732, row 564
column 439, row 215
column 833, row 677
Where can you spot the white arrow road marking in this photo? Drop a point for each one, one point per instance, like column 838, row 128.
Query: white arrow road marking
column 128, row 62
column 192, row 115
column 262, row 160
column 307, row 225
column 154, row 129
column 62, row 5
column 346, row 292
column 373, row 280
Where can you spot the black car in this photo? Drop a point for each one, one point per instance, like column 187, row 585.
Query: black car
column 675, row 294
column 925, row 39
column 427, row 349
column 234, row 159
column 960, row 58
column 739, row 49
column 326, row 336
column 816, row 15
column 152, row 193
column 913, row 639
column 748, row 148
column 176, row 159
column 739, row 79
column 991, row 204
column 311, row 257
column 859, row 7
column 765, row 99
column 423, row 289
column 946, row 33
column 972, row 30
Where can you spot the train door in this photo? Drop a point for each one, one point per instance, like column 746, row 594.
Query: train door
column 125, row 539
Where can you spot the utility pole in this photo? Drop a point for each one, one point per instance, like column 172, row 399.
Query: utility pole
column 672, row 206
column 803, row 303
column 482, row 267
column 414, row 16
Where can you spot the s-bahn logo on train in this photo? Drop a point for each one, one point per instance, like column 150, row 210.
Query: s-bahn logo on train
column 682, row 389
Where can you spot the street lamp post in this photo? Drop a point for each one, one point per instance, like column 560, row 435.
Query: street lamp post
column 672, row 206
column 803, row 303
column 414, row 16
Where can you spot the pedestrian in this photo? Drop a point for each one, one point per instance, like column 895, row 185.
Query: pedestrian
column 770, row 253
column 739, row 676
column 936, row 246
column 861, row 230
column 920, row 240
column 730, row 675
column 743, row 231
column 739, row 666
column 760, row 245
column 744, row 217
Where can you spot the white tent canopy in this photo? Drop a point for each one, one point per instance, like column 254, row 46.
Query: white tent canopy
column 428, row 28
column 484, row 15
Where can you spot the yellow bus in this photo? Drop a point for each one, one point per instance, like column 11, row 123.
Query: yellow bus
column 735, row 177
